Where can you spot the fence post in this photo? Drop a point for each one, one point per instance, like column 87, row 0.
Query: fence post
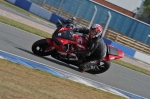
column 93, row 16
column 78, row 8
column 43, row 2
column 60, row 6
column 146, row 38
column 106, row 26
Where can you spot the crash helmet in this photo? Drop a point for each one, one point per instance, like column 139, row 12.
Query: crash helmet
column 96, row 29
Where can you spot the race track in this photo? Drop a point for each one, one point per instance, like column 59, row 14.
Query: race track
column 19, row 42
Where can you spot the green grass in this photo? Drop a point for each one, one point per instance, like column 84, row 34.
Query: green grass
column 133, row 67
column 20, row 82
column 24, row 27
column 44, row 34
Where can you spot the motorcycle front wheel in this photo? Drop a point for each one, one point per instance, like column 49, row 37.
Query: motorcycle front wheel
column 39, row 48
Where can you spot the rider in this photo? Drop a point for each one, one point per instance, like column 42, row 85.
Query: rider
column 68, row 22
column 96, row 49
column 96, row 46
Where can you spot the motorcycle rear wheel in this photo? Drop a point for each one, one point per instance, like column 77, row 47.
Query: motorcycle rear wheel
column 39, row 48
column 101, row 68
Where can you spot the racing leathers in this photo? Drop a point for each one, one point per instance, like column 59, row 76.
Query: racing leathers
column 96, row 49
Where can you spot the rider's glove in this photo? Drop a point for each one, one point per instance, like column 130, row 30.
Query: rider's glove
column 91, row 36
column 75, row 30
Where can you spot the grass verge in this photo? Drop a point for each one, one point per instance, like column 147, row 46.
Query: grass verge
column 133, row 67
column 24, row 27
column 20, row 82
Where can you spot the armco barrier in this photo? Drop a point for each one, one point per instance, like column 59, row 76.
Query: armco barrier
column 23, row 4
column 12, row 1
column 126, row 50
column 33, row 8
column 40, row 11
column 142, row 57
column 54, row 18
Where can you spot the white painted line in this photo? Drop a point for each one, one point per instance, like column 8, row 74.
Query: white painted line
column 77, row 79
column 2, row 57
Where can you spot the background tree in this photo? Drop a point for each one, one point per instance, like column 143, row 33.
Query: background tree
column 144, row 14
column 147, row 6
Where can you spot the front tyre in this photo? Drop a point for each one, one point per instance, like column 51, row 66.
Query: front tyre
column 39, row 48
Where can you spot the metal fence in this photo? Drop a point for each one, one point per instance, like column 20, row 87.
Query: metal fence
column 85, row 10
column 79, row 8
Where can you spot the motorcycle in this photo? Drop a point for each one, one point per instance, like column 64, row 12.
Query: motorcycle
column 71, row 43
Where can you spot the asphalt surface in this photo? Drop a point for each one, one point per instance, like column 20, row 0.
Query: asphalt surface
column 19, row 42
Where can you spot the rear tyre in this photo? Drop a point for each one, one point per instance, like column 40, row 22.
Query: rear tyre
column 39, row 48
column 103, row 67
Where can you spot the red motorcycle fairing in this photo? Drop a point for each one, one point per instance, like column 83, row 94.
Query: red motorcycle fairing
column 68, row 46
column 50, row 42
column 64, row 29
column 79, row 41
column 65, row 53
column 113, row 53
column 65, row 41
column 53, row 44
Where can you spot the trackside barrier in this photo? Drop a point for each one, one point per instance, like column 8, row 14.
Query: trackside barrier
column 12, row 1
column 54, row 18
column 129, row 42
column 23, row 4
column 33, row 8
column 126, row 50
column 40, row 11
column 142, row 57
